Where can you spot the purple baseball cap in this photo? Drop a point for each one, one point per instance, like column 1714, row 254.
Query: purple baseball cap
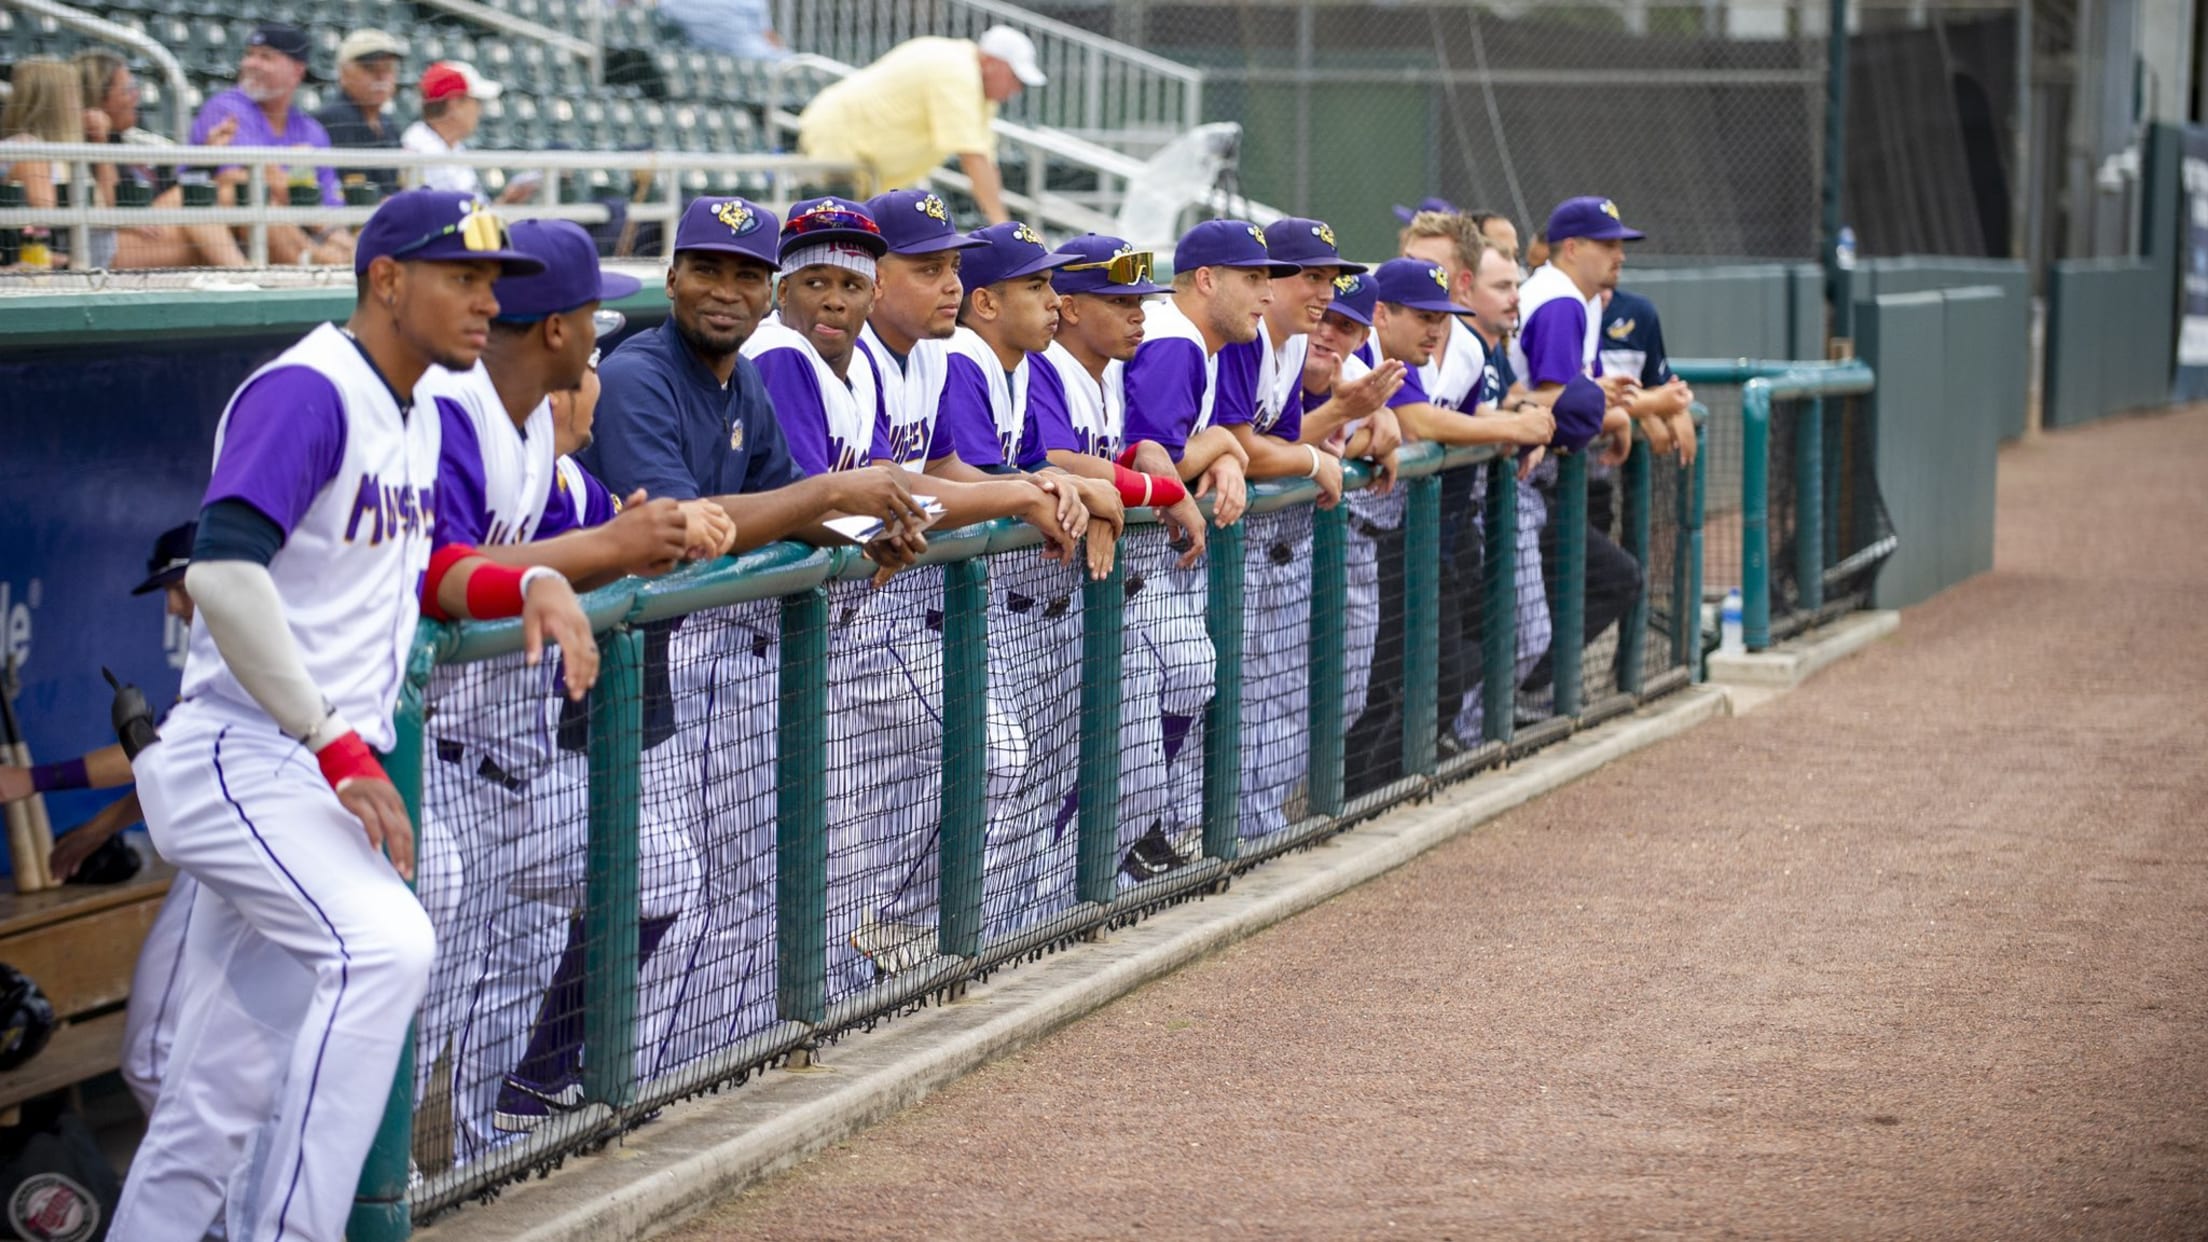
column 438, row 226
column 571, row 275
column 917, row 222
column 1008, row 251
column 1589, row 217
column 1578, row 412
column 730, row 226
column 831, row 219
column 1105, row 266
column 1420, row 284
column 1306, row 243
column 1429, row 203
column 1227, row 243
column 1354, row 297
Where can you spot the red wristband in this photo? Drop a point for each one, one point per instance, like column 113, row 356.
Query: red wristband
column 441, row 563
column 1135, row 487
column 1166, row 490
column 349, row 759
column 495, row 591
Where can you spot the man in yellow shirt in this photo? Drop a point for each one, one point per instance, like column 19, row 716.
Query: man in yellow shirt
column 924, row 100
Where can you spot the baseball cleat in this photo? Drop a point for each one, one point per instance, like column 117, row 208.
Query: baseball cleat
column 524, row 1105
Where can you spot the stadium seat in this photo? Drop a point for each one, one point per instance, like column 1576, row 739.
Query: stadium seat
column 672, row 75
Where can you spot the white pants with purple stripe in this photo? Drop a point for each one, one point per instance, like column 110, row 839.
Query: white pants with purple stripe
column 157, row 989
column 307, row 957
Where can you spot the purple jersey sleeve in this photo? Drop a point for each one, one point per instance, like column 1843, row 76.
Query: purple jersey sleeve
column 965, row 426
column 794, row 388
column 1049, row 421
column 1236, row 401
column 1555, row 342
column 282, row 443
column 881, row 445
column 565, row 511
column 1413, row 391
column 463, row 515
column 1289, row 426
column 1165, row 392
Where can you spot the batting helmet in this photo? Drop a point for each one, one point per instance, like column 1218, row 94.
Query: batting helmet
column 26, row 1018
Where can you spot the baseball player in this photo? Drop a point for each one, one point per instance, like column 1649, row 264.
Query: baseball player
column 149, row 1023
column 312, row 560
column 684, row 414
column 1632, row 344
column 1265, row 375
column 489, row 724
column 1168, row 660
column 896, row 664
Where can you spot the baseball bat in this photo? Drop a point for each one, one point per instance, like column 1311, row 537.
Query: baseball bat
column 27, row 820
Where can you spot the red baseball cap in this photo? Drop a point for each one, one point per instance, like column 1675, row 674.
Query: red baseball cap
column 450, row 79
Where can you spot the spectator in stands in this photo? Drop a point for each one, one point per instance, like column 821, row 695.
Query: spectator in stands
column 260, row 112
column 46, row 105
column 740, row 27
column 925, row 100
column 367, row 77
column 453, row 94
column 111, row 107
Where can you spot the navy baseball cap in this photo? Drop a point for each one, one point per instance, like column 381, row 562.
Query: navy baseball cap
column 917, row 222
column 439, row 226
column 1578, row 412
column 1227, row 243
column 1008, row 252
column 1590, row 217
column 730, row 226
column 1420, row 284
column 571, row 275
column 283, row 37
column 831, row 219
column 1306, row 243
column 1107, row 267
column 1354, row 297
column 172, row 555
column 1425, row 204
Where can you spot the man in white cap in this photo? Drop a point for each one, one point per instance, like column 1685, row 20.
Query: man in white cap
column 367, row 77
column 925, row 100
column 453, row 94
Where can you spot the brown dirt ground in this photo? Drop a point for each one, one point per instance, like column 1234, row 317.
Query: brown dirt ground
column 1914, row 952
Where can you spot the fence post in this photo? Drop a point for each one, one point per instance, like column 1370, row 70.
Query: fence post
column 1633, row 635
column 1755, row 514
column 1567, row 640
column 1103, row 652
column 1329, row 662
column 801, row 812
column 1421, row 622
column 1223, row 718
column 1809, row 505
column 610, row 900
column 1691, row 503
column 1499, row 597
column 380, row 1212
column 965, row 812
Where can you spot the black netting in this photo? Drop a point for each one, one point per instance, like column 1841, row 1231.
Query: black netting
column 1167, row 672
column 1828, row 483
column 1372, row 699
column 1028, row 853
column 1276, row 671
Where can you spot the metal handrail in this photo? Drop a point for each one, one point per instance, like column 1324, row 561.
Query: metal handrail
column 81, row 216
column 137, row 41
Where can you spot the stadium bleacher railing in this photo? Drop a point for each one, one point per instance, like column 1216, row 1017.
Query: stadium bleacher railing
column 1288, row 755
column 1800, row 526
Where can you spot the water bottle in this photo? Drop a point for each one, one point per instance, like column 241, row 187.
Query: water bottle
column 1728, row 624
column 1843, row 249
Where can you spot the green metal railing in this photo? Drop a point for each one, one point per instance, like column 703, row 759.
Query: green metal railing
column 799, row 577
column 1796, row 391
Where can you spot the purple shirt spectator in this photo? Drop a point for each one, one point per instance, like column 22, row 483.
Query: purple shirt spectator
column 300, row 130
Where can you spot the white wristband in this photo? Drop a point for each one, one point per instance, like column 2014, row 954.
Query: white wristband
column 535, row 573
column 329, row 729
column 1313, row 449
column 1147, row 484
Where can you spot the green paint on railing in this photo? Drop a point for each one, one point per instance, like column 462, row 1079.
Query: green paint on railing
column 610, row 890
column 1103, row 653
column 801, row 812
column 1499, row 623
column 1755, row 514
column 1809, row 504
column 965, row 813
column 1633, row 636
column 1566, row 642
column 1422, row 622
column 1329, row 662
column 1689, row 621
column 1223, row 718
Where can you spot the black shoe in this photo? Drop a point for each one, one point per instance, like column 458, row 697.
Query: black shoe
column 1156, row 852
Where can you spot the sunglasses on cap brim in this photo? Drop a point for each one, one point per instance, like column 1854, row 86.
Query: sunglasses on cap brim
column 481, row 232
column 827, row 218
column 1121, row 269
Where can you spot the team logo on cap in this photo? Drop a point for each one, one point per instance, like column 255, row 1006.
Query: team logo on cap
column 1257, row 233
column 1440, row 277
column 1324, row 232
column 1609, row 209
column 1020, row 232
column 1619, row 330
column 933, row 208
column 739, row 219
column 1346, row 285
